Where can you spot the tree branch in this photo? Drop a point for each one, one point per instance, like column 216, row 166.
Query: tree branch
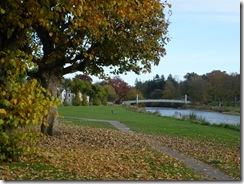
column 46, row 40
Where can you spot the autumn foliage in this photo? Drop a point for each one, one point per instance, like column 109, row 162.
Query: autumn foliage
column 39, row 38
column 23, row 103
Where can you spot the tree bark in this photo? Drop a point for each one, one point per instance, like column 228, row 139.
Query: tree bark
column 50, row 82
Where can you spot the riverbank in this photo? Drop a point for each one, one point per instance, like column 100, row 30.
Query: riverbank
column 198, row 116
column 221, row 109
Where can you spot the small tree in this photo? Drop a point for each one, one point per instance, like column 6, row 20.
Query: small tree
column 84, row 100
column 76, row 100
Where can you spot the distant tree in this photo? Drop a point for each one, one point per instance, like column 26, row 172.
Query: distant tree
column 142, row 87
column 149, row 86
column 198, row 90
column 84, row 77
column 76, row 86
column 172, row 79
column 216, row 85
column 84, row 100
column 120, row 86
column 156, row 94
column 132, row 94
column 111, row 93
column 99, row 95
column 234, row 87
column 169, row 90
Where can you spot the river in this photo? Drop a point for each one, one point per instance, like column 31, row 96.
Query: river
column 211, row 117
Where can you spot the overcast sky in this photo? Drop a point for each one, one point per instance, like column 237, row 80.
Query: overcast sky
column 205, row 36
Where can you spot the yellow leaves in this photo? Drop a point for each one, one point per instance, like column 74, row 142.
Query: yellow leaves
column 90, row 56
column 3, row 111
column 14, row 101
column 2, row 11
column 70, row 157
column 175, row 164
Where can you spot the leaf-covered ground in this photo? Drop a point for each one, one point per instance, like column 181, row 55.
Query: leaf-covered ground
column 79, row 153
column 226, row 159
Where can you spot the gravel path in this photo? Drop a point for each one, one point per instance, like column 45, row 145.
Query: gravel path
column 196, row 165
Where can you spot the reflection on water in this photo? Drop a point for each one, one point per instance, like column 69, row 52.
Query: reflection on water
column 211, row 117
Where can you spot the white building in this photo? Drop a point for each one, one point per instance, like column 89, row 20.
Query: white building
column 70, row 96
column 63, row 94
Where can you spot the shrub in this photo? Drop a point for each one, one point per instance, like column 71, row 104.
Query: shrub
column 96, row 101
column 76, row 101
column 23, row 104
column 84, row 100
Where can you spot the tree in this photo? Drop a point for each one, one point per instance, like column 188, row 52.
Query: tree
column 23, row 102
column 132, row 94
column 80, row 88
column 99, row 95
column 142, row 86
column 156, row 94
column 86, row 35
column 216, row 85
column 198, row 90
column 111, row 93
column 151, row 86
column 76, row 86
column 121, row 88
column 84, row 77
column 84, row 100
column 169, row 91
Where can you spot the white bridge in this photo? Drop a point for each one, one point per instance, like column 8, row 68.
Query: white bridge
column 185, row 101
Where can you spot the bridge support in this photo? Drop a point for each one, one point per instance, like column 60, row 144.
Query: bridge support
column 137, row 99
column 185, row 99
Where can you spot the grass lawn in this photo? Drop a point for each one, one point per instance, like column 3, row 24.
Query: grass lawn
column 151, row 124
column 87, row 123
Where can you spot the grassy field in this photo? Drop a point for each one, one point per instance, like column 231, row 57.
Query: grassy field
column 151, row 124
column 82, row 150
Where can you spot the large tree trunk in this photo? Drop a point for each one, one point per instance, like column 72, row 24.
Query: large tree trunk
column 50, row 82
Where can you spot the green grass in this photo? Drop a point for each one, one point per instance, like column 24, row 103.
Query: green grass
column 151, row 124
column 35, row 171
column 86, row 123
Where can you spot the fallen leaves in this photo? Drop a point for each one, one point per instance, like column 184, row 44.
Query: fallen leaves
column 96, row 154
column 82, row 153
column 227, row 159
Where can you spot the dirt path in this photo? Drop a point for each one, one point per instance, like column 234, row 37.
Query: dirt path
column 196, row 165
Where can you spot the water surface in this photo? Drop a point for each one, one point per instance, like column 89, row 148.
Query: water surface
column 211, row 117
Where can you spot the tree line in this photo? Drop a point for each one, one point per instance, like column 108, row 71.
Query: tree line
column 113, row 90
column 216, row 86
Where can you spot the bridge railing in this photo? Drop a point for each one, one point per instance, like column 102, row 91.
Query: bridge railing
column 156, row 100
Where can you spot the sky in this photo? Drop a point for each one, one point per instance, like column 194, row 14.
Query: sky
column 205, row 36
